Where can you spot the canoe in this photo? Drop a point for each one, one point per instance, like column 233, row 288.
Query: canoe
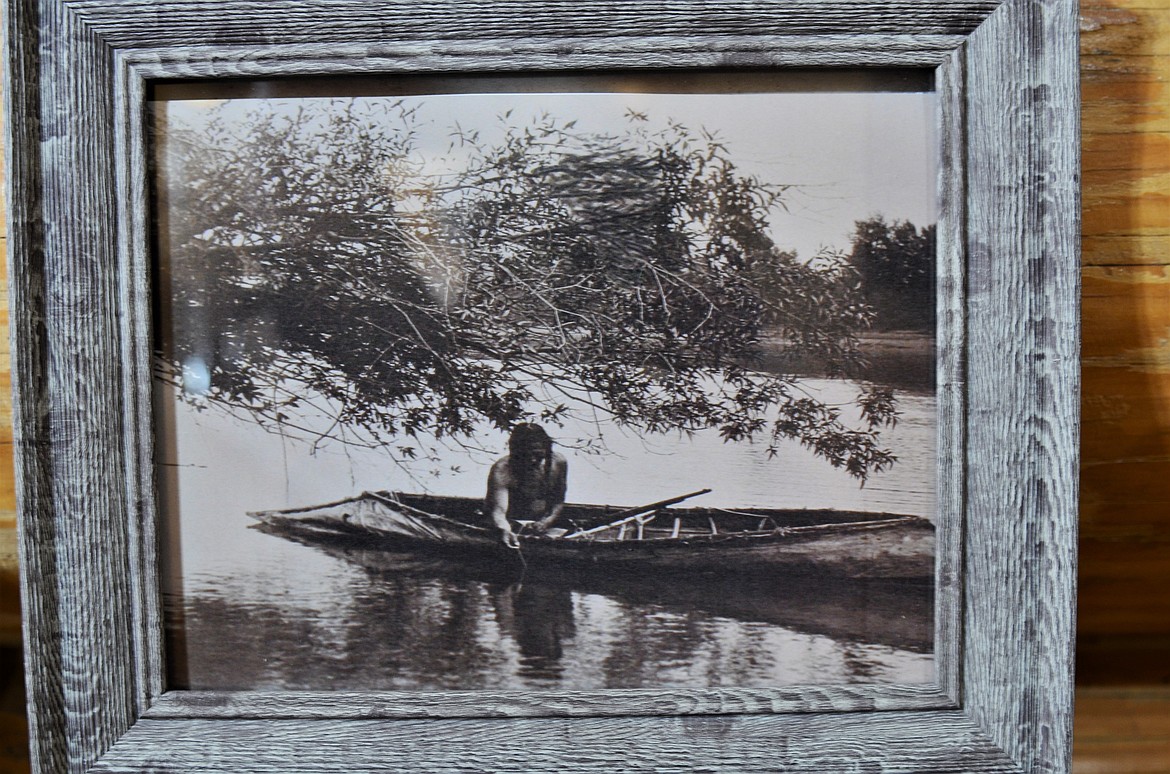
column 669, row 539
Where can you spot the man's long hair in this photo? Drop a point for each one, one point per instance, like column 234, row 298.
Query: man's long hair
column 529, row 435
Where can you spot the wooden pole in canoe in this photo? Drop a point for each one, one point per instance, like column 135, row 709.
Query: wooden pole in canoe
column 621, row 517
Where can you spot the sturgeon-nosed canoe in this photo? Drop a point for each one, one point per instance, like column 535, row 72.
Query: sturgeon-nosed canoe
column 705, row 539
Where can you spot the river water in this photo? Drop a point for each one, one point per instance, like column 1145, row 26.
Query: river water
column 249, row 610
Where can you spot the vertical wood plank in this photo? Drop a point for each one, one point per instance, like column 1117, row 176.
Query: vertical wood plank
column 952, row 285
column 88, row 667
column 1023, row 282
column 133, row 214
column 30, row 417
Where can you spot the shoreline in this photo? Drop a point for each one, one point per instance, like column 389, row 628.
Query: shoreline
column 904, row 360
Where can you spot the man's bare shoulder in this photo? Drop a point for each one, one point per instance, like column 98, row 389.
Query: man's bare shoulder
column 500, row 468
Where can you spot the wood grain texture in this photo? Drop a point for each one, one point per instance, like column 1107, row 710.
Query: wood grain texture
column 133, row 208
column 514, row 704
column 1124, row 576
column 903, row 742
column 124, row 25
column 1107, row 155
column 1124, row 250
column 1124, row 731
column 93, row 666
column 172, row 63
column 1023, row 378
column 951, row 374
column 853, row 49
column 147, row 64
column 25, row 238
column 95, row 645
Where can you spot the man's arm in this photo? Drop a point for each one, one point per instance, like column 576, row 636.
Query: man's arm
column 497, row 502
column 554, row 513
column 560, row 473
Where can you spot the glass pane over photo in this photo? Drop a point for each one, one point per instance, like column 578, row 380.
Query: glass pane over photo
column 548, row 383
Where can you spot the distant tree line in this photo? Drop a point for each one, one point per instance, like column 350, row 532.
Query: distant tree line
column 895, row 266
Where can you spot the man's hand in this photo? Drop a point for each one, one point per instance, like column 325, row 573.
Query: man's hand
column 545, row 524
column 509, row 538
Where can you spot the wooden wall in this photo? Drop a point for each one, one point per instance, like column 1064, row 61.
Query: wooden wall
column 1124, row 608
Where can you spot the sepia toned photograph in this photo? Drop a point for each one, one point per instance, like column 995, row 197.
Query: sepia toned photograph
column 547, row 383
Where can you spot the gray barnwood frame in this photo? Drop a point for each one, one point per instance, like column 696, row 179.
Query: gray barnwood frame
column 77, row 74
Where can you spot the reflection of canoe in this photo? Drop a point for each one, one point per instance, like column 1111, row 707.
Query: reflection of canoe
column 856, row 610
column 716, row 540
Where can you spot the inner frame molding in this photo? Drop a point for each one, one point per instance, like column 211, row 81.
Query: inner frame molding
column 141, row 82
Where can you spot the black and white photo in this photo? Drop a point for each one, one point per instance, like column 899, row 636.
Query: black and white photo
column 605, row 382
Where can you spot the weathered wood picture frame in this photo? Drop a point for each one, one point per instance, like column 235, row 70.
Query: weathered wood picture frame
column 77, row 76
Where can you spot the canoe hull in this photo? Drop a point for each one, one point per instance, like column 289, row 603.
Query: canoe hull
column 880, row 546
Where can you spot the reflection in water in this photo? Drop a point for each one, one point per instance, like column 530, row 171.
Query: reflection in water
column 401, row 622
column 539, row 618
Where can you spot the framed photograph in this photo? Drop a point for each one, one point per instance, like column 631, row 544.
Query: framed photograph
column 419, row 309
column 525, row 388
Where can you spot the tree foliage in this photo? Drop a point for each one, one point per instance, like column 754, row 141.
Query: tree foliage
column 895, row 263
column 316, row 255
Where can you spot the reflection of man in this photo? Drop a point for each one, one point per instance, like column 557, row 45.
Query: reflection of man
column 528, row 484
column 539, row 618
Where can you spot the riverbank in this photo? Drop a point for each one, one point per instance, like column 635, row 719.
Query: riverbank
column 904, row 360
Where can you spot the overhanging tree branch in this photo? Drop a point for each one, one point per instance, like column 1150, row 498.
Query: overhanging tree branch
column 630, row 274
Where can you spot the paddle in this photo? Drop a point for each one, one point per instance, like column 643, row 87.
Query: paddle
column 630, row 514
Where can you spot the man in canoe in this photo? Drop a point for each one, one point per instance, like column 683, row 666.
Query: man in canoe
column 528, row 484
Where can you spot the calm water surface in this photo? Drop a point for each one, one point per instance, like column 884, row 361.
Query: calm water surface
column 251, row 610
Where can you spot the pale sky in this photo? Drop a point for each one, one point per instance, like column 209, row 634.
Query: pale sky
column 849, row 155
